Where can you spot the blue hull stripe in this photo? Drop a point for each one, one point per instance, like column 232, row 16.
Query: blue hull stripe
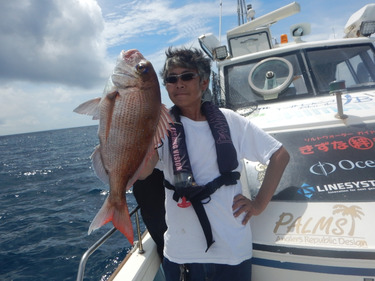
column 336, row 253
column 315, row 268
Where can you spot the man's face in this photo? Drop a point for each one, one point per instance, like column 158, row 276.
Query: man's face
column 187, row 89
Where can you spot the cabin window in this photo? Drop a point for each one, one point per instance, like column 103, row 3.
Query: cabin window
column 239, row 93
column 354, row 65
column 343, row 73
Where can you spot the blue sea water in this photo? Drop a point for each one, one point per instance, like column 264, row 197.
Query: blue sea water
column 49, row 195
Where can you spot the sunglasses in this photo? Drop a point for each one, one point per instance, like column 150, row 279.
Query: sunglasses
column 184, row 77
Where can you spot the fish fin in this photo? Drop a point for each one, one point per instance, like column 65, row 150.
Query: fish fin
column 104, row 216
column 98, row 166
column 121, row 220
column 90, row 107
column 118, row 214
column 163, row 125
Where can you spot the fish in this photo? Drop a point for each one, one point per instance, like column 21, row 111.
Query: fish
column 132, row 122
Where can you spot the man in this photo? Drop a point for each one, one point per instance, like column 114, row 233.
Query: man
column 208, row 235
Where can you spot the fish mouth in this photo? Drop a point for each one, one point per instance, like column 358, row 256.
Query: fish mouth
column 131, row 55
column 130, row 65
column 126, row 63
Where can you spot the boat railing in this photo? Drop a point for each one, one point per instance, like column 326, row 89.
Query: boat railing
column 104, row 238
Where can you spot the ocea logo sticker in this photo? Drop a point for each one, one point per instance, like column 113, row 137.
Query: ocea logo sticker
column 325, row 168
column 339, row 229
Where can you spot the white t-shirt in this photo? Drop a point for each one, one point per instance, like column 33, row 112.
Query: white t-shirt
column 184, row 239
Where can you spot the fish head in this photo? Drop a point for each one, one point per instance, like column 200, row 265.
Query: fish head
column 132, row 67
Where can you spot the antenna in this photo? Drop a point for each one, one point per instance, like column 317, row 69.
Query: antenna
column 241, row 11
column 221, row 15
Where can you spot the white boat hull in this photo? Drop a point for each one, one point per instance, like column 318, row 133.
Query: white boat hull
column 286, row 267
column 300, row 241
column 140, row 266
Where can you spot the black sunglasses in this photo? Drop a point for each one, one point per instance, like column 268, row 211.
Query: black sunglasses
column 184, row 77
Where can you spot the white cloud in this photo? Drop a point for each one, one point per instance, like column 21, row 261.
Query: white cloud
column 52, row 58
column 52, row 41
column 135, row 19
column 56, row 54
column 26, row 108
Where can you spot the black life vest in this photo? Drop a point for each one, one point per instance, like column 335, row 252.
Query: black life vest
column 185, row 185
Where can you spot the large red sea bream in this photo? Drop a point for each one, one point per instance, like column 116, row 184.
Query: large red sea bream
column 132, row 120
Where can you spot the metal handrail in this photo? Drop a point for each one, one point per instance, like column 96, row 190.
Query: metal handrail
column 104, row 238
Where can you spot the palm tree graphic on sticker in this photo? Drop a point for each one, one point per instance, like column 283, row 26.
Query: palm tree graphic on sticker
column 352, row 211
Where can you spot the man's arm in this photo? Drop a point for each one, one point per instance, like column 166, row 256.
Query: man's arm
column 278, row 162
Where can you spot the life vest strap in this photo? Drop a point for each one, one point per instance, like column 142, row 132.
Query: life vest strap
column 195, row 194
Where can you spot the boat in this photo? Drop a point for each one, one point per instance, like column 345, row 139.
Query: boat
column 318, row 99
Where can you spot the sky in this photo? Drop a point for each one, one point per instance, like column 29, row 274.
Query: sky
column 57, row 54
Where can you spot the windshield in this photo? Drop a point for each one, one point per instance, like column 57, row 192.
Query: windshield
column 354, row 65
column 312, row 71
column 239, row 92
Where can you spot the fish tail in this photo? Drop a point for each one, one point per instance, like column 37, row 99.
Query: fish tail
column 118, row 214
column 121, row 220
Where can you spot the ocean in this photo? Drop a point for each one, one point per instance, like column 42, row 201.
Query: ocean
column 49, row 196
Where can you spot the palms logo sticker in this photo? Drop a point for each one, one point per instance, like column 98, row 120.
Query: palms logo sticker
column 335, row 225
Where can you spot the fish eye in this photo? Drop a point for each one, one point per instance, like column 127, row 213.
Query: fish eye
column 142, row 68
